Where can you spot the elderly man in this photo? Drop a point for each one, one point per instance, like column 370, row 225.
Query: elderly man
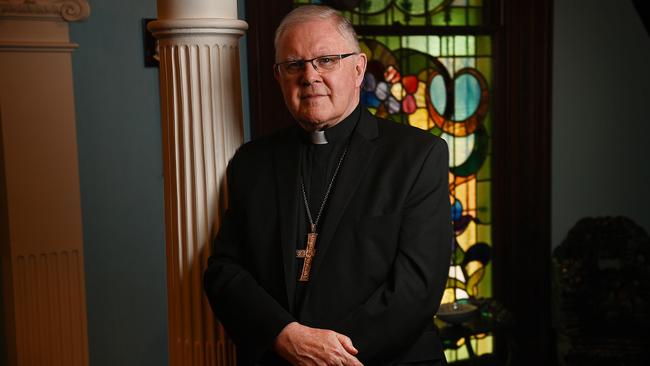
column 335, row 247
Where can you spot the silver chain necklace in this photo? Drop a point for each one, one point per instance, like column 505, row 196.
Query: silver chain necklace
column 310, row 249
column 313, row 224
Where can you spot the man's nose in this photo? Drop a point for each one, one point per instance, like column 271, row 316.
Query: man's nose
column 310, row 74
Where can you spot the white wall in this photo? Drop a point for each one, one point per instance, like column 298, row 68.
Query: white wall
column 601, row 113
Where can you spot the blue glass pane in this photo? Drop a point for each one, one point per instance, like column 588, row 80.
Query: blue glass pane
column 438, row 93
column 456, row 210
column 369, row 99
column 468, row 95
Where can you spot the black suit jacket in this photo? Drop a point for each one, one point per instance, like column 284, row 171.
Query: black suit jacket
column 381, row 260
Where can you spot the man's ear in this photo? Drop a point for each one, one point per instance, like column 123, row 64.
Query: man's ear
column 360, row 68
column 276, row 73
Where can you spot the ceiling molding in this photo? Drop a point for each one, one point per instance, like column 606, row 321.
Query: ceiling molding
column 66, row 10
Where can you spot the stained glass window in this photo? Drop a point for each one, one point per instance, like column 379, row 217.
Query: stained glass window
column 430, row 66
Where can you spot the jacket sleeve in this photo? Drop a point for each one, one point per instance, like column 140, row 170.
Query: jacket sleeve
column 396, row 314
column 251, row 317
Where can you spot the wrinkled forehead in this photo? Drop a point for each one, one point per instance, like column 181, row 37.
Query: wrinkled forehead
column 310, row 39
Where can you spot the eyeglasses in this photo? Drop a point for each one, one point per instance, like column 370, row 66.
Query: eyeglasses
column 321, row 64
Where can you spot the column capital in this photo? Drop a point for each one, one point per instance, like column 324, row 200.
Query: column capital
column 67, row 10
column 165, row 28
column 197, row 9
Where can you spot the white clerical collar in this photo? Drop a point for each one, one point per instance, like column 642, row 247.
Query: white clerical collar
column 318, row 137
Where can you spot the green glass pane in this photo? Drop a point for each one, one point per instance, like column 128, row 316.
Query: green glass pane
column 372, row 6
column 452, row 282
column 457, row 256
column 474, row 16
column 484, row 233
column 457, row 17
column 485, row 286
column 413, row 12
column 439, row 19
column 484, row 66
column 487, row 122
column 412, row 61
column 485, row 173
column 414, row 7
column 483, row 46
column 483, row 191
column 414, row 20
column 463, row 46
column 477, row 157
column 436, row 131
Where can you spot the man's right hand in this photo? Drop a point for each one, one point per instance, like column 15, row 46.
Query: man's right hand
column 302, row 345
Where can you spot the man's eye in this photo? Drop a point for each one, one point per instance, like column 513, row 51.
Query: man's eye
column 295, row 65
column 325, row 61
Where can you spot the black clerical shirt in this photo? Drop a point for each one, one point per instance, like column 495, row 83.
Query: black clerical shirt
column 317, row 166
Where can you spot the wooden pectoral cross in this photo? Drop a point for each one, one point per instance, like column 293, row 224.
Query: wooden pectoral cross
column 308, row 254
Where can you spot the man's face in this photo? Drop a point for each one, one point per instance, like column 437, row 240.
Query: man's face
column 319, row 99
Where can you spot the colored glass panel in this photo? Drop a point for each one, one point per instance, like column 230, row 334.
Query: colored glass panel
column 449, row 13
column 440, row 84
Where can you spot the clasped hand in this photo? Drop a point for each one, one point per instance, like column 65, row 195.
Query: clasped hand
column 302, row 345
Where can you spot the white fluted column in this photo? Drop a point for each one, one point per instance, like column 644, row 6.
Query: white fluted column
column 202, row 127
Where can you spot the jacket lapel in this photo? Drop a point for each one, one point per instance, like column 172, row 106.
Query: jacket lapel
column 285, row 160
column 353, row 169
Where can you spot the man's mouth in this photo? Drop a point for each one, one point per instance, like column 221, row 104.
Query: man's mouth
column 312, row 96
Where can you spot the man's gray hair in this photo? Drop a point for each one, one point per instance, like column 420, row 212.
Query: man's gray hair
column 306, row 13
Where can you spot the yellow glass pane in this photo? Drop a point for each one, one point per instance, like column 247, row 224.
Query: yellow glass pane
column 398, row 91
column 467, row 238
column 448, row 296
column 460, row 188
column 480, row 346
column 460, row 342
column 472, row 267
column 470, row 207
column 459, row 354
column 484, row 346
column 474, row 279
column 420, row 119
column 420, row 96
column 456, row 272
column 466, row 194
